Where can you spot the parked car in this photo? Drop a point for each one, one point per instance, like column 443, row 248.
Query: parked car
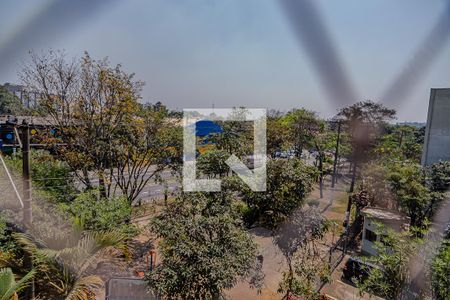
column 355, row 268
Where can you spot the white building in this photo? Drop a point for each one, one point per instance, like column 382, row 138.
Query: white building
column 373, row 216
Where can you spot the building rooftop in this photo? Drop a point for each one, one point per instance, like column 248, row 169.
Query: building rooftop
column 383, row 214
column 32, row 120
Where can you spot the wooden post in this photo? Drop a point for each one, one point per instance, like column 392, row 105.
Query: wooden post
column 27, row 209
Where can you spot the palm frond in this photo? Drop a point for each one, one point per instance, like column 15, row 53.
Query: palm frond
column 83, row 287
column 28, row 242
column 9, row 287
column 65, row 267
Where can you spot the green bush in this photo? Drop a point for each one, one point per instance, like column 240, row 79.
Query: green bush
column 7, row 244
column 94, row 213
column 288, row 184
column 47, row 173
column 212, row 163
column 440, row 175
column 440, row 275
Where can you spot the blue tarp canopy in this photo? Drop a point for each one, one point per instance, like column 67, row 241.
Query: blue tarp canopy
column 206, row 127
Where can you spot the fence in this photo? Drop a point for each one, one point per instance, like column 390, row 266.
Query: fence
column 128, row 289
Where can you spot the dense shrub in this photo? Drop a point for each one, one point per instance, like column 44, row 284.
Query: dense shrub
column 288, row 184
column 441, row 272
column 47, row 173
column 439, row 174
column 212, row 163
column 92, row 212
column 7, row 244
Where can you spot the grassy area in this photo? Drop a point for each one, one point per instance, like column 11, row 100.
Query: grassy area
column 340, row 204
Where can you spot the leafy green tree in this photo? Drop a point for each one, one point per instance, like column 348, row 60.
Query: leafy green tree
column 324, row 141
column 288, row 183
column 401, row 142
column 276, row 133
column 366, row 112
column 364, row 122
column 302, row 126
column 391, row 276
column 440, row 272
column 204, row 249
column 236, row 136
column 86, row 100
column 373, row 189
column 408, row 183
column 212, row 163
column 142, row 150
column 106, row 132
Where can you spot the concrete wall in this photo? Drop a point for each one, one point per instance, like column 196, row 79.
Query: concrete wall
column 367, row 246
column 373, row 225
column 437, row 135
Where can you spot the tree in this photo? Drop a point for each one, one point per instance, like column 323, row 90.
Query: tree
column 302, row 126
column 298, row 239
column 366, row 112
column 276, row 133
column 415, row 198
column 143, row 150
column 376, row 186
column 402, row 142
column 9, row 288
column 323, row 141
column 203, row 246
column 237, row 134
column 364, row 122
column 10, row 104
column 105, row 130
column 86, row 100
column 390, row 277
column 288, row 183
column 212, row 163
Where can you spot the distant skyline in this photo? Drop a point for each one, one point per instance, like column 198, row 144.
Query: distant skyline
column 196, row 54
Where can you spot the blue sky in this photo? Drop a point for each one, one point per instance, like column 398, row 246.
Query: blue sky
column 239, row 52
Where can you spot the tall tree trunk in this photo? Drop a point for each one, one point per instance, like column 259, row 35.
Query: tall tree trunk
column 87, row 181
column 101, row 183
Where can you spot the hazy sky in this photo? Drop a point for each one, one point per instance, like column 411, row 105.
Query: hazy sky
column 234, row 52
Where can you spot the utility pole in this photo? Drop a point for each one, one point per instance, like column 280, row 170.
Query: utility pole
column 27, row 210
column 336, row 156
